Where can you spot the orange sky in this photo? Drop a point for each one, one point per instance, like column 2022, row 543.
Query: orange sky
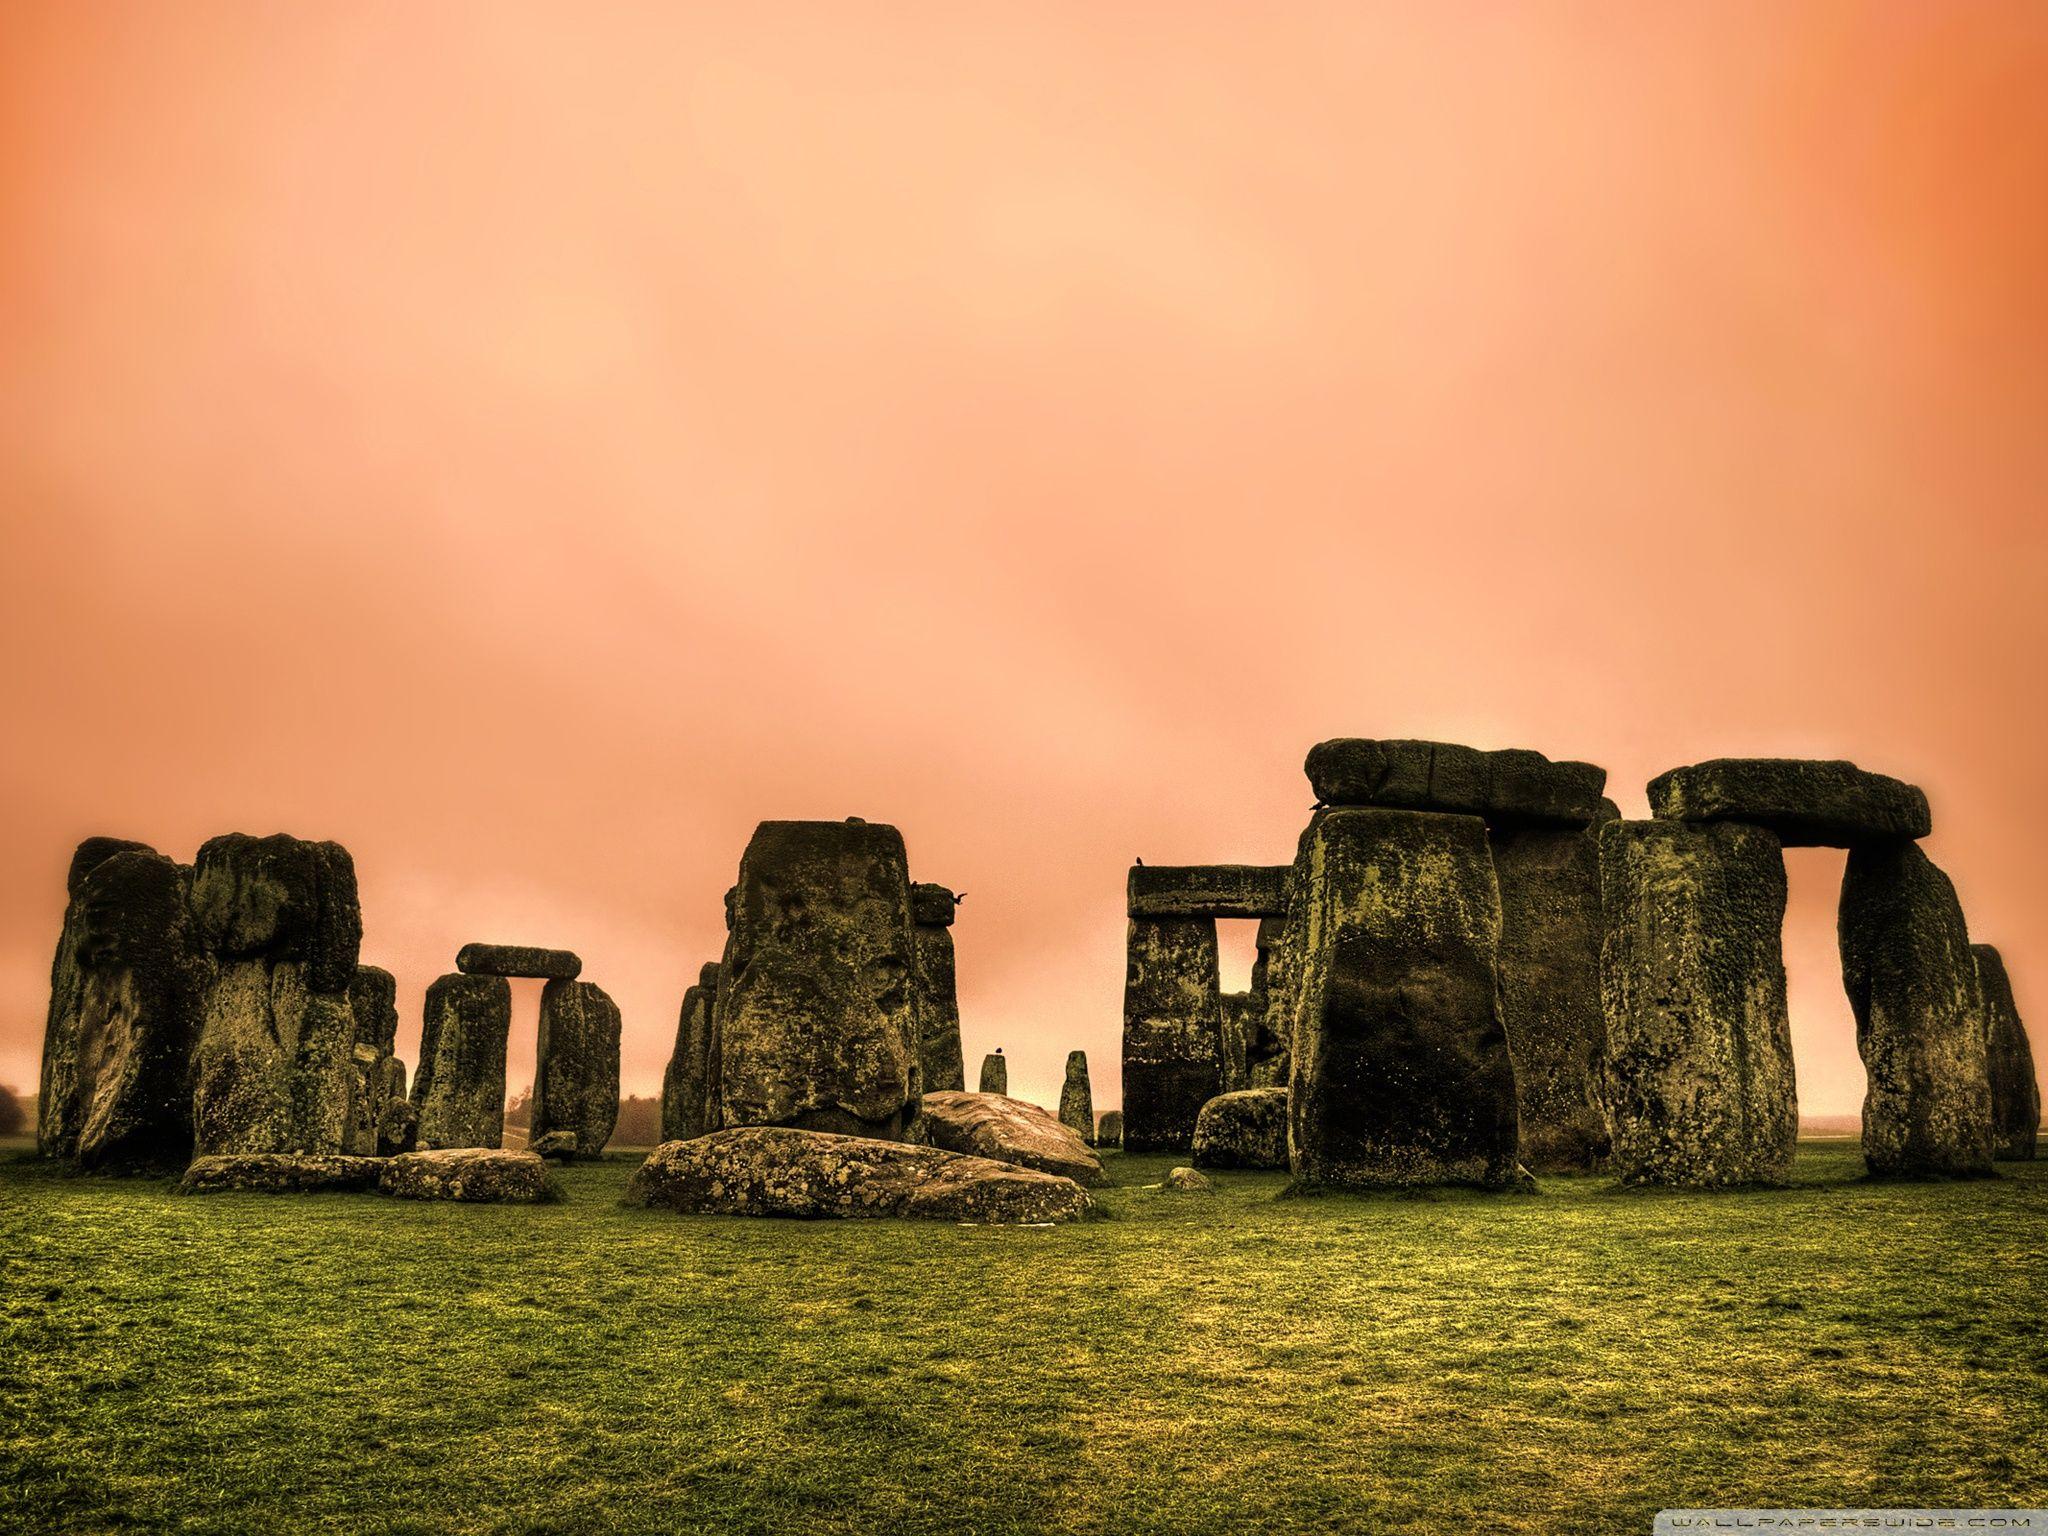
column 531, row 448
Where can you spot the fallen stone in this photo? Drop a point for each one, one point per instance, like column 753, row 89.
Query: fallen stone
column 459, row 1088
column 1077, row 1101
column 1697, row 1082
column 938, row 994
column 1401, row 1074
column 559, row 1145
column 778, row 1171
column 527, row 960
column 1550, row 933
column 280, row 1173
column 687, row 1105
column 1207, row 890
column 468, row 1173
column 1807, row 802
column 1186, row 1181
column 2009, row 1060
column 576, row 1064
column 995, row 1074
column 1173, row 1030
column 932, row 906
column 1921, row 1026
column 1109, row 1129
column 1246, row 1129
column 1512, row 787
column 1008, row 1130
column 816, row 1016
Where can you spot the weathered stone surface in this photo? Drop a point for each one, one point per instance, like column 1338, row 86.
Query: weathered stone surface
column 2009, row 1062
column 373, row 1003
column 1077, row 1100
column 687, row 1104
column 1401, row 1073
column 518, row 960
column 1807, row 802
column 125, row 996
column 995, row 1073
column 1697, row 1083
column 398, row 1124
column 576, row 1064
column 1234, row 1017
column 938, row 1009
column 92, row 853
column 1245, row 1129
column 274, row 1069
column 1268, row 1010
column 280, row 898
column 458, row 1090
column 1206, row 890
column 558, row 1145
column 1550, row 933
column 280, row 1173
column 816, row 1016
column 1511, row 787
column 1920, row 1020
column 777, row 1171
column 468, row 1173
column 1109, row 1128
column 932, row 906
column 1173, row 1030
column 1008, row 1130
column 1186, row 1181
column 365, row 1102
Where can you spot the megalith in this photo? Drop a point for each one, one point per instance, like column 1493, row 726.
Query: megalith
column 1234, row 1020
column 1509, row 787
column 1173, row 1030
column 1077, row 1102
column 1920, row 1020
column 1268, row 1021
column 995, row 1073
column 2009, row 1060
column 688, row 1107
column 938, row 991
column 1400, row 1072
column 458, row 1090
column 1109, row 1130
column 1807, row 802
column 527, row 960
column 398, row 1123
column 576, row 1065
column 125, row 995
column 1697, row 1083
column 816, row 1015
column 274, row 1068
column 373, row 1005
column 1243, row 1129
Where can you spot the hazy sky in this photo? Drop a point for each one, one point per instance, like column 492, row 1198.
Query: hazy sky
column 531, row 446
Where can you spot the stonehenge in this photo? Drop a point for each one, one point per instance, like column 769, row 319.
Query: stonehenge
column 688, row 1105
column 1109, row 1128
column 2015, row 1093
column 576, row 1066
column 995, row 1073
column 373, row 1004
column 1008, row 1130
column 932, row 910
column 1807, row 803
column 1243, row 1129
column 458, row 1087
column 1077, row 1104
column 518, row 960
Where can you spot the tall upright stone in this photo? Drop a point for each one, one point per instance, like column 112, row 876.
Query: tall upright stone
column 1077, row 1101
column 458, row 1092
column 576, row 1065
column 373, row 1005
column 816, row 1015
column 938, row 992
column 1234, row 1016
column 2009, row 1061
column 1550, row 991
column 1401, row 1074
column 1697, row 1085
column 687, row 1106
column 274, row 1068
column 1173, row 1030
column 1920, row 1020
column 125, row 998
column 995, row 1073
column 1269, row 1019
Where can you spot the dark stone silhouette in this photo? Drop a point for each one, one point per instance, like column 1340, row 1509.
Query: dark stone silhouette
column 1234, row 1022
column 1206, row 890
column 688, row 1106
column 1920, row 1020
column 1109, row 1129
column 1245, row 1129
column 459, row 1090
column 995, row 1074
column 2009, row 1060
column 373, row 1001
column 280, row 898
column 1268, row 1010
column 1401, row 1074
column 1807, row 802
column 1009, row 1130
column 938, row 992
column 1697, row 1084
column 576, row 1065
column 373, row 1004
column 1173, row 1030
column 518, row 960
column 1077, row 1102
column 1510, row 788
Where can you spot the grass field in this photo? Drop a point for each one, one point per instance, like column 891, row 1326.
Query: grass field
column 1564, row 1362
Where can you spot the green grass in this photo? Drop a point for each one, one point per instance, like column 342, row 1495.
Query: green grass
column 1563, row 1362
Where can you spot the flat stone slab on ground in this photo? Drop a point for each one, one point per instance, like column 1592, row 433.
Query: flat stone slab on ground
column 1008, row 1130
column 1245, row 1129
column 780, row 1171
column 1509, row 787
column 280, row 1173
column 467, row 1173
column 1808, row 802
column 518, row 960
column 1207, row 890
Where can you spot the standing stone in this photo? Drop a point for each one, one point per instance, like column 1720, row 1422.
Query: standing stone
column 274, row 1068
column 1173, row 1030
column 938, row 991
column 1268, row 1019
column 816, row 1017
column 995, row 1074
column 687, row 1108
column 125, row 995
column 1920, row 1020
column 398, row 1125
column 1401, row 1074
column 2015, row 1094
column 1550, row 992
column 1234, row 1018
column 576, row 1065
column 1109, row 1130
column 373, row 1004
column 459, row 1090
column 1698, row 1086
column 1077, row 1103
column 373, row 1001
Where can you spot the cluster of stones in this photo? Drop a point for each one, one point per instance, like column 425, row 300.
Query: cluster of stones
column 1475, row 968
column 818, row 1069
